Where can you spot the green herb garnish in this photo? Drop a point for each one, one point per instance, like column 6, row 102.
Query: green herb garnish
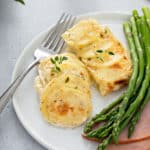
column 99, row 51
column 56, row 58
column 21, row 1
column 111, row 53
column 58, row 68
column 53, row 61
column 56, row 61
column 100, row 58
column 67, row 79
column 102, row 51
column 64, row 58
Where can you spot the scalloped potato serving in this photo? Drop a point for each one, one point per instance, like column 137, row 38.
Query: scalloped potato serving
column 104, row 56
column 63, row 84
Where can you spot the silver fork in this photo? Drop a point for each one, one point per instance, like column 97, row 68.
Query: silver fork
column 52, row 44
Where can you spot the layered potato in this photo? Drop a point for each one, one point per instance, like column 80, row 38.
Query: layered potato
column 104, row 56
column 65, row 98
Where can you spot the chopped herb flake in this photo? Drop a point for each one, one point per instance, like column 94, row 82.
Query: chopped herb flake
column 53, row 61
column 101, row 59
column 56, row 58
column 58, row 69
column 64, row 58
column 99, row 51
column 67, row 80
column 111, row 53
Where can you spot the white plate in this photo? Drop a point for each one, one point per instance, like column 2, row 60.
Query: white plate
column 26, row 101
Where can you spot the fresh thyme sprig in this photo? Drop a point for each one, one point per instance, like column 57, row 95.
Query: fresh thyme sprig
column 56, row 61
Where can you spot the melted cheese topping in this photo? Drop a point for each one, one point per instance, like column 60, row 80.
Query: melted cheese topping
column 111, row 68
column 65, row 98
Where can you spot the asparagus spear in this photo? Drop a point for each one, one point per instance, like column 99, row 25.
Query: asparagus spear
column 134, row 106
column 132, row 83
column 103, row 130
column 138, row 114
column 138, row 21
column 105, row 142
column 146, row 40
column 139, row 52
column 89, row 125
column 98, row 132
column 146, row 12
column 135, row 14
column 107, row 116
column 136, row 32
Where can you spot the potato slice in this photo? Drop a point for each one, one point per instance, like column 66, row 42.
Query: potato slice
column 65, row 106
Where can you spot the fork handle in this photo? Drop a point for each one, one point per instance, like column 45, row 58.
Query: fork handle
column 8, row 93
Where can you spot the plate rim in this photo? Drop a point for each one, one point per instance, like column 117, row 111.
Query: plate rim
column 16, row 109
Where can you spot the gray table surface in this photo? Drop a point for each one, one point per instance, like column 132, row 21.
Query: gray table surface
column 18, row 25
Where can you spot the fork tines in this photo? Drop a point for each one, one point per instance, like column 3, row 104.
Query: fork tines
column 53, row 41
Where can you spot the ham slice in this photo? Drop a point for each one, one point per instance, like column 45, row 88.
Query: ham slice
column 142, row 129
column 142, row 145
column 141, row 132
